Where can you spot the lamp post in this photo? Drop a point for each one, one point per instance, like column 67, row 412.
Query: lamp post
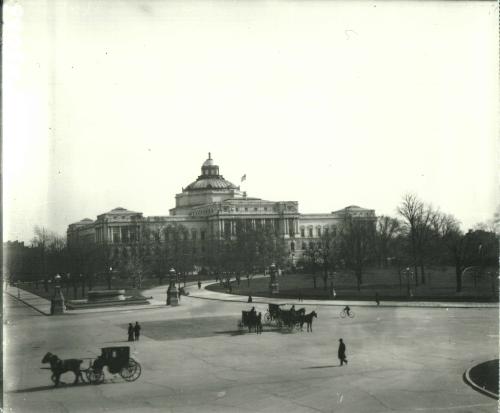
column 274, row 285
column 172, row 296
column 408, row 272
column 109, row 277
column 57, row 303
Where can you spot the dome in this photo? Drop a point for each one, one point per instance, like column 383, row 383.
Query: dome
column 210, row 178
column 213, row 182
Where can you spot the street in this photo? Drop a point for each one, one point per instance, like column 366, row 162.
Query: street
column 194, row 359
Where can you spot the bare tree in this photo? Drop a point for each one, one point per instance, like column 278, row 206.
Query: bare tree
column 357, row 237
column 418, row 219
column 387, row 230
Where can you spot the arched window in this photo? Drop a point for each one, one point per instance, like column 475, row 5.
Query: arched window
column 292, row 246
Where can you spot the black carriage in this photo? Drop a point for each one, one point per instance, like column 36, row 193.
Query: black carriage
column 251, row 320
column 273, row 314
column 118, row 361
column 291, row 319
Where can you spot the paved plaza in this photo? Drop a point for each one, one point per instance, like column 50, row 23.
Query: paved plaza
column 194, row 359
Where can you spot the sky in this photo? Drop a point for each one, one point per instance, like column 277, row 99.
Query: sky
column 329, row 103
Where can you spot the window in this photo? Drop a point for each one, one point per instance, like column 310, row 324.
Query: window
column 246, row 209
column 311, row 245
column 334, row 230
column 255, row 209
column 292, row 246
column 265, row 208
column 202, row 235
column 302, row 232
column 310, row 230
column 318, row 230
column 304, row 245
column 116, row 234
column 193, row 234
column 237, row 209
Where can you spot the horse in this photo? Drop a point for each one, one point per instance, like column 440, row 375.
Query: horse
column 59, row 367
column 308, row 319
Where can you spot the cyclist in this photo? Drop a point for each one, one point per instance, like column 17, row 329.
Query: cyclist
column 347, row 310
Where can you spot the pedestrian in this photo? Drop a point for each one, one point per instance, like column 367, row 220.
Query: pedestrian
column 250, row 298
column 341, row 353
column 130, row 332
column 377, row 300
column 199, row 284
column 137, row 331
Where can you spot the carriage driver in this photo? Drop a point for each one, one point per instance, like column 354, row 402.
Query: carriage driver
column 253, row 312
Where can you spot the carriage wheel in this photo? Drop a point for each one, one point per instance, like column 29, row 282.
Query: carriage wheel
column 268, row 317
column 95, row 376
column 132, row 371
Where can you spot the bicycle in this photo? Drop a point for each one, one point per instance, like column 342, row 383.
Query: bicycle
column 343, row 314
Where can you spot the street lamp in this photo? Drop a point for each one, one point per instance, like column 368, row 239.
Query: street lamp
column 408, row 272
column 172, row 297
column 273, row 283
column 57, row 303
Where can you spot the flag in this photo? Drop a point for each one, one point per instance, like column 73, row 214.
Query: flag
column 244, row 178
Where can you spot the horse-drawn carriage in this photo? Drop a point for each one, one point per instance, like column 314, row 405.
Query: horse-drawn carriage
column 251, row 320
column 284, row 318
column 116, row 359
column 289, row 318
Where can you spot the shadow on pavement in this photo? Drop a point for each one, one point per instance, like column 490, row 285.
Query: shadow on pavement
column 319, row 367
column 232, row 332
column 61, row 386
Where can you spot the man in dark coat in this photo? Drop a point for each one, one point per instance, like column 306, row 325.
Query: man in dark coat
column 137, row 331
column 341, row 353
column 130, row 332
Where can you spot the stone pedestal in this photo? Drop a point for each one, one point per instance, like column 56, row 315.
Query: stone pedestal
column 172, row 296
column 58, row 306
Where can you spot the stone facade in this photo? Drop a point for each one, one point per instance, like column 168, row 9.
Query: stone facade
column 211, row 208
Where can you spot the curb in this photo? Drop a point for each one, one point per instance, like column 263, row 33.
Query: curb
column 28, row 304
column 470, row 382
column 262, row 300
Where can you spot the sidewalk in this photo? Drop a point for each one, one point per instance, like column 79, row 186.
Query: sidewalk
column 42, row 305
column 203, row 293
column 36, row 302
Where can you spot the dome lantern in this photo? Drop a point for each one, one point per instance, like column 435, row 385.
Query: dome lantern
column 209, row 167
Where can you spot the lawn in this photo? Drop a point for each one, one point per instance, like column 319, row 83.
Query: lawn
column 440, row 285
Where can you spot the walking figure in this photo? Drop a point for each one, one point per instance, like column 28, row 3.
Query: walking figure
column 347, row 309
column 250, row 298
column 341, row 353
column 130, row 332
column 137, row 331
column 377, row 300
column 199, row 285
